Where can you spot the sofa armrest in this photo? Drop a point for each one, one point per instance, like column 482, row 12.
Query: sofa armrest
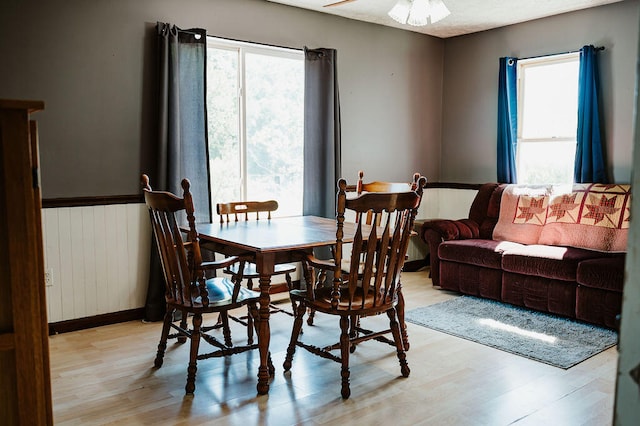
column 434, row 232
column 445, row 230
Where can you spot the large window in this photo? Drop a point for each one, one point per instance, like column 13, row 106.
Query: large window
column 255, row 98
column 547, row 118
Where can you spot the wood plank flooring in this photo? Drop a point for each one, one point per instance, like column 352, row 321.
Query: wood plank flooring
column 105, row 375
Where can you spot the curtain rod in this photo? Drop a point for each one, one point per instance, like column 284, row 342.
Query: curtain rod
column 236, row 40
column 554, row 54
column 168, row 27
column 190, row 32
column 256, row 42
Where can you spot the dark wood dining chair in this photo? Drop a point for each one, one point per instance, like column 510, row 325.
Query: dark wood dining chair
column 378, row 186
column 186, row 288
column 362, row 187
column 361, row 292
column 245, row 211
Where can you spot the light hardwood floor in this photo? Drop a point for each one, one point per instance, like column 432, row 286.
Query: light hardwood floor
column 105, row 375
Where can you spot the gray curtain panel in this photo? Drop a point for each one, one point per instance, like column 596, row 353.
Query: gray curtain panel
column 182, row 120
column 322, row 162
column 182, row 149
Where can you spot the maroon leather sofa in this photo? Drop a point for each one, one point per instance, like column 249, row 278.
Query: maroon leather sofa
column 573, row 282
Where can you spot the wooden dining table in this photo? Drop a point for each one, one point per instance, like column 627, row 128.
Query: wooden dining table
column 269, row 242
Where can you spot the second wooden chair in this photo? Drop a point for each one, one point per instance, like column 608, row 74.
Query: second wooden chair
column 351, row 191
column 361, row 291
column 254, row 210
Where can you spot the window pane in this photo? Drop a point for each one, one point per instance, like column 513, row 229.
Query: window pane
column 550, row 100
column 546, row 162
column 223, row 119
column 274, row 125
column 256, row 120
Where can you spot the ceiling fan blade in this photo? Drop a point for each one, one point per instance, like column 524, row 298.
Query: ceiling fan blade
column 338, row 3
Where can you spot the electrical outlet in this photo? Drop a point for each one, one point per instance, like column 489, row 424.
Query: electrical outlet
column 48, row 277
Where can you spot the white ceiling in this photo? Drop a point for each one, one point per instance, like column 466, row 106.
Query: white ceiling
column 467, row 16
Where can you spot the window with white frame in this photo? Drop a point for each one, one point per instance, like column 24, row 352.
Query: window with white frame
column 255, row 110
column 547, row 118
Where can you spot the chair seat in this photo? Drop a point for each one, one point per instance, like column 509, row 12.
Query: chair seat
column 250, row 270
column 220, row 293
column 322, row 301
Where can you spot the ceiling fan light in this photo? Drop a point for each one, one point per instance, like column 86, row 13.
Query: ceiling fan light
column 419, row 15
column 400, row 12
column 438, row 11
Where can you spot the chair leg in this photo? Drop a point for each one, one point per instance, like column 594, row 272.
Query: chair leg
column 345, row 344
column 250, row 321
column 162, row 346
column 312, row 314
column 322, row 276
column 403, row 324
column 395, row 330
column 226, row 330
column 295, row 334
column 183, row 325
column 353, row 331
column 193, row 355
column 355, row 323
column 272, row 368
column 250, row 329
column 287, row 277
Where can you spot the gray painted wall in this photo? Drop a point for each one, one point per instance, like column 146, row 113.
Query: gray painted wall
column 471, row 85
column 410, row 102
column 92, row 62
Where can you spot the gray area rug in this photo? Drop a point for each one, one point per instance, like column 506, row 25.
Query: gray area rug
column 542, row 337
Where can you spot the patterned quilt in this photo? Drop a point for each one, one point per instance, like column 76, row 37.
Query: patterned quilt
column 593, row 216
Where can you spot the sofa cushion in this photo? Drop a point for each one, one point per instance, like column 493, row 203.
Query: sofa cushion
column 542, row 294
column 560, row 263
column 594, row 216
column 487, row 253
column 523, row 213
column 606, row 273
column 471, row 279
column 480, row 204
column 486, row 208
column 598, row 306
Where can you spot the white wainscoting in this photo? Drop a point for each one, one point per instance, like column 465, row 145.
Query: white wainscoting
column 97, row 259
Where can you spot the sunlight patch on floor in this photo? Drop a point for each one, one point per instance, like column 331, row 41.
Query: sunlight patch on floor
column 517, row 330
